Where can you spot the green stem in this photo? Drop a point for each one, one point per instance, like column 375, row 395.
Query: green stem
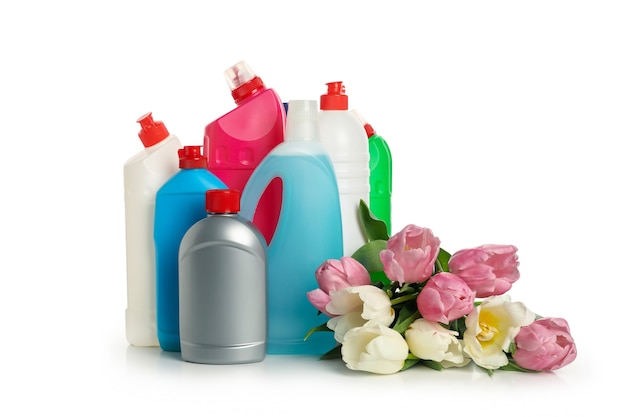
column 404, row 298
column 401, row 326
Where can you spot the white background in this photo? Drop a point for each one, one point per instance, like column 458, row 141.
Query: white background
column 506, row 121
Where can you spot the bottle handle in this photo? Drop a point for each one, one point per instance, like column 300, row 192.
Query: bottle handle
column 255, row 187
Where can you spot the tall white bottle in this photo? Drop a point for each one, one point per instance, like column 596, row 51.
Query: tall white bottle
column 144, row 174
column 345, row 140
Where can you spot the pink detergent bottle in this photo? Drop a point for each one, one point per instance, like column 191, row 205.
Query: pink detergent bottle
column 236, row 142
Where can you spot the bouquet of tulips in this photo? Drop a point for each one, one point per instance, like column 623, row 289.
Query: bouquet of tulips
column 402, row 300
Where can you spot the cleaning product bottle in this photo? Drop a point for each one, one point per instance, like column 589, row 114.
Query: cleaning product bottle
column 144, row 174
column 236, row 142
column 380, row 173
column 180, row 203
column 307, row 234
column 344, row 138
column 223, row 285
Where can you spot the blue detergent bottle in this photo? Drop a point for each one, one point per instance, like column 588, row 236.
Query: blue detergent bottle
column 308, row 231
column 180, row 203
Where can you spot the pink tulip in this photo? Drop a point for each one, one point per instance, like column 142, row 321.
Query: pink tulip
column 410, row 255
column 444, row 298
column 488, row 269
column 545, row 345
column 334, row 275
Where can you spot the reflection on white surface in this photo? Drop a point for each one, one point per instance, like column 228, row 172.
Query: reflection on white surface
column 292, row 383
column 155, row 362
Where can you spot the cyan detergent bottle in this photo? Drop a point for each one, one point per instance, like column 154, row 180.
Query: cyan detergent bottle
column 343, row 136
column 236, row 142
column 144, row 174
column 307, row 234
column 223, row 286
column 180, row 203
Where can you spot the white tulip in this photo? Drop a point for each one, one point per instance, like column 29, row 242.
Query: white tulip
column 491, row 328
column 374, row 348
column 358, row 306
column 429, row 340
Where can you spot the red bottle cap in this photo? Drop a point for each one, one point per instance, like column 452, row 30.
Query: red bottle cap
column 190, row 157
column 335, row 98
column 223, row 201
column 369, row 130
column 243, row 82
column 246, row 90
column 151, row 132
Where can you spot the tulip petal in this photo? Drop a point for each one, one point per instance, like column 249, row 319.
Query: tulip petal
column 319, row 299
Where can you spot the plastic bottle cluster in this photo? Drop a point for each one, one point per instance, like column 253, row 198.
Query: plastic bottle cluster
column 223, row 238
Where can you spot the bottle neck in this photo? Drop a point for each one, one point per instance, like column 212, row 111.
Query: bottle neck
column 247, row 90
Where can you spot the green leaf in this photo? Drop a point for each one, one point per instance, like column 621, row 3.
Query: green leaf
column 409, row 363
column 433, row 365
column 512, row 366
column 320, row 328
column 379, row 276
column 374, row 229
column 334, row 353
column 406, row 312
column 458, row 326
column 369, row 255
column 490, row 372
column 442, row 261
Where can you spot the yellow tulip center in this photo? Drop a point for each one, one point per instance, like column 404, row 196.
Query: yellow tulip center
column 487, row 332
column 489, row 324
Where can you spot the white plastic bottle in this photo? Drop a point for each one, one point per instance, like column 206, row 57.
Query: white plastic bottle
column 144, row 174
column 345, row 140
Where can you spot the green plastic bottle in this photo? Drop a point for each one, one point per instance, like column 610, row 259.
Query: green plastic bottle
column 380, row 173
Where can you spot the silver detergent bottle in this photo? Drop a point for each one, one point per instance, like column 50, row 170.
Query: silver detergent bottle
column 223, row 286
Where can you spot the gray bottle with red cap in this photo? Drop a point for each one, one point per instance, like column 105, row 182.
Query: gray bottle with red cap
column 223, row 286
